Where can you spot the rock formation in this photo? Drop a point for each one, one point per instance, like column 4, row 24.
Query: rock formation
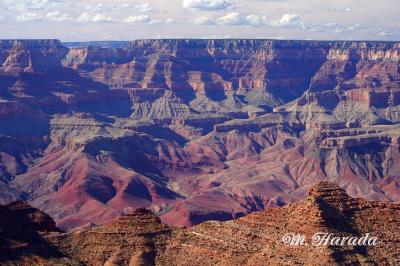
column 23, row 230
column 139, row 238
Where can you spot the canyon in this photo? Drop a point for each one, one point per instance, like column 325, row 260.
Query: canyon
column 139, row 238
column 195, row 130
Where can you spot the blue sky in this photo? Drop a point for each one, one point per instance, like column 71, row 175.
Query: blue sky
column 83, row 20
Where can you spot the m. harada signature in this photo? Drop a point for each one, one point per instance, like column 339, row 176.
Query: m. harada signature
column 329, row 239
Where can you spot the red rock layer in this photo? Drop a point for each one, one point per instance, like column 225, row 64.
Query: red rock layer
column 139, row 238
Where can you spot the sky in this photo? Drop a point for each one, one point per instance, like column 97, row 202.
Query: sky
column 85, row 20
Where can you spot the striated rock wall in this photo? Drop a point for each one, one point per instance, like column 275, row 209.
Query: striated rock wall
column 30, row 55
column 230, row 64
column 203, row 65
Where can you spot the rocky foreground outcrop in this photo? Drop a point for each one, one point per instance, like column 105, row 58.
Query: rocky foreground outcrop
column 139, row 237
column 195, row 130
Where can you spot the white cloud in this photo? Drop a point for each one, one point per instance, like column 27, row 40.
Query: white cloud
column 169, row 20
column 126, row 5
column 350, row 28
column 287, row 20
column 162, row 21
column 102, row 18
column 137, row 19
column 58, row 16
column 330, row 25
column 233, row 18
column 147, row 19
column 26, row 5
column 98, row 8
column 340, row 9
column 29, row 17
column 143, row 7
column 255, row 20
column 204, row 20
column 206, row 4
column 86, row 17
column 385, row 33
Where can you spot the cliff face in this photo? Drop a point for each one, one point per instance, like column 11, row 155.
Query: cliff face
column 285, row 69
column 139, row 238
column 195, row 129
column 37, row 56
column 209, row 67
column 22, row 230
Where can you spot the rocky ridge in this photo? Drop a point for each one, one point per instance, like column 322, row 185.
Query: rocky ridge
column 139, row 237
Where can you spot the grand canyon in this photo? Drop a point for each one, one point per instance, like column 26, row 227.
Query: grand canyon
column 188, row 131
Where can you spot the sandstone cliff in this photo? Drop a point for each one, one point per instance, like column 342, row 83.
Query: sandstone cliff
column 139, row 238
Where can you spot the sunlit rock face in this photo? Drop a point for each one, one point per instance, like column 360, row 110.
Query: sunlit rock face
column 195, row 130
column 335, row 230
